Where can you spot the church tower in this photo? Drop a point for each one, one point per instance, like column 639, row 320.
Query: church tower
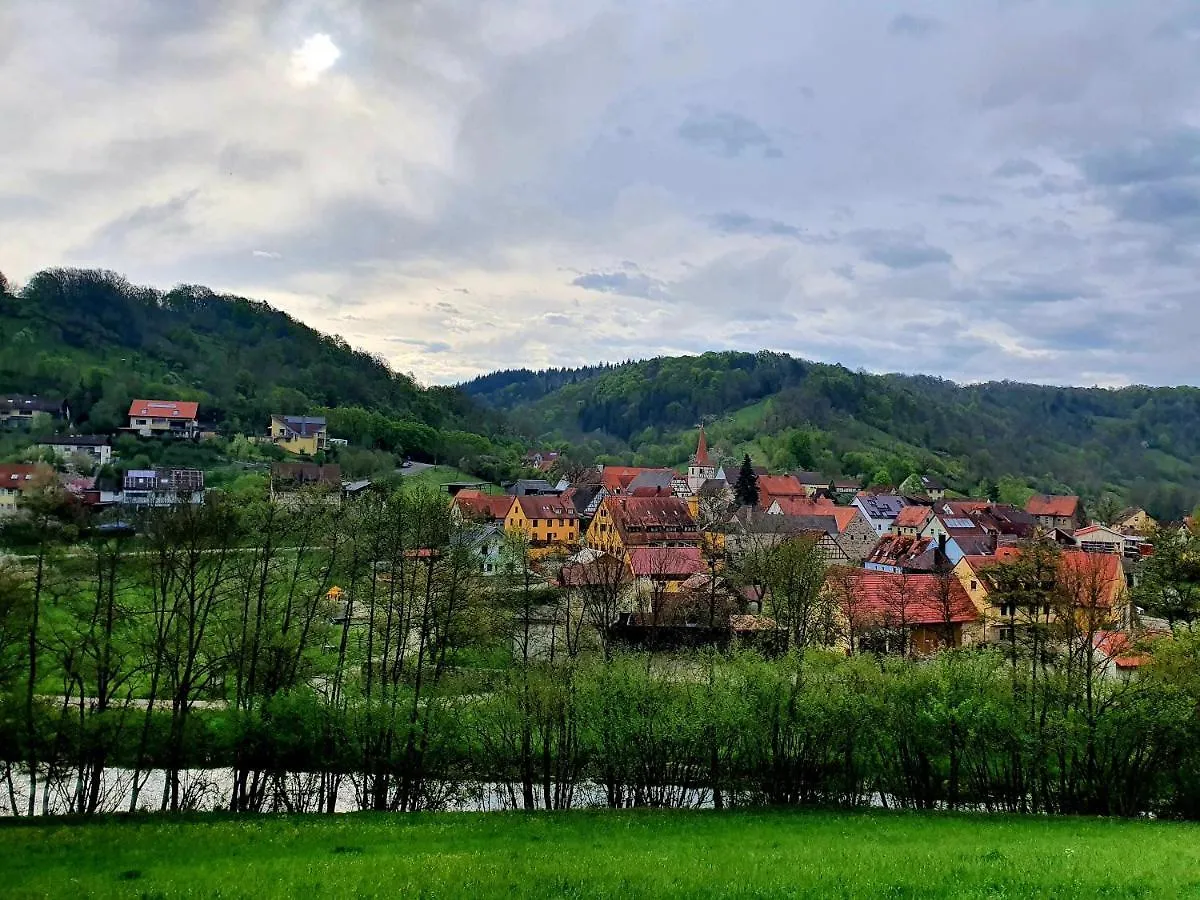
column 701, row 468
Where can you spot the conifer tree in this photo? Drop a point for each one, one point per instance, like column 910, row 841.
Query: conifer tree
column 746, row 488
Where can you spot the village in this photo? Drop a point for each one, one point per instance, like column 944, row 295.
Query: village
column 666, row 558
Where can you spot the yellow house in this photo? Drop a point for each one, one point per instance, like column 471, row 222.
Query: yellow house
column 299, row 434
column 546, row 522
column 1094, row 582
column 622, row 523
column 18, row 480
column 1135, row 521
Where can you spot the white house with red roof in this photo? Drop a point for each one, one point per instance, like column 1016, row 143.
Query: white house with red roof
column 164, row 418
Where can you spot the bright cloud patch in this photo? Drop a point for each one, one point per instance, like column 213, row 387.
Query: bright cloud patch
column 312, row 59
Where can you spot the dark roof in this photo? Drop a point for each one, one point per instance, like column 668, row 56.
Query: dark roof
column 906, row 552
column 304, row 426
column 34, row 403
column 814, row 478
column 649, row 482
column 581, row 496
column 931, row 484
column 307, row 473
column 75, row 440
column 526, row 486
column 881, row 506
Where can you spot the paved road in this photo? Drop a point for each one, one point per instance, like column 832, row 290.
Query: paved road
column 414, row 469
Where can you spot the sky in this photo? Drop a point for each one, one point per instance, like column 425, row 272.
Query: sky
column 976, row 189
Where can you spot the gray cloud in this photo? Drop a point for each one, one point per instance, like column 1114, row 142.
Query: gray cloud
column 799, row 178
column 633, row 284
column 743, row 223
column 727, row 134
column 897, row 250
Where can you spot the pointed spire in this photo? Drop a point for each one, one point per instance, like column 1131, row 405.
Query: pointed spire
column 702, row 450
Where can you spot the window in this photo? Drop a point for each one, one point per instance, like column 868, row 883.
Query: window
column 974, row 585
column 1006, row 634
column 1008, row 609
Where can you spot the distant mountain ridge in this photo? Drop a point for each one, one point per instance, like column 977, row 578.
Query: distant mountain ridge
column 1137, row 444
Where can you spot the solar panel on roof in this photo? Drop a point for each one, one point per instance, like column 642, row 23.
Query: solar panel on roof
column 959, row 523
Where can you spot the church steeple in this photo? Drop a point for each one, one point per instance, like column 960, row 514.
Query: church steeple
column 701, row 468
column 701, row 457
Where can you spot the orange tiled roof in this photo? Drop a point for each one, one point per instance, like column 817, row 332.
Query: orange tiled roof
column 913, row 516
column 478, row 505
column 164, row 409
column 804, row 506
column 887, row 598
column 1048, row 505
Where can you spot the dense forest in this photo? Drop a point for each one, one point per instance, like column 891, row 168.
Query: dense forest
column 1137, row 444
column 97, row 341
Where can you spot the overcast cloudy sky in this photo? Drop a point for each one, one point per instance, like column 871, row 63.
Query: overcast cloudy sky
column 973, row 188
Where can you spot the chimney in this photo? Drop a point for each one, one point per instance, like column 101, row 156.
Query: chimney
column 940, row 561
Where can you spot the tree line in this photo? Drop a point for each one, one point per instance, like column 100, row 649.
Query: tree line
column 325, row 655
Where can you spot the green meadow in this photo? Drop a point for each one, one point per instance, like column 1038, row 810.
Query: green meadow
column 602, row 854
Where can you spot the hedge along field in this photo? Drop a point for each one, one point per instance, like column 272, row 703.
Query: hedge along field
column 604, row 854
column 214, row 642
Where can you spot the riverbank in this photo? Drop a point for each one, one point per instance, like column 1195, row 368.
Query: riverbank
column 611, row 854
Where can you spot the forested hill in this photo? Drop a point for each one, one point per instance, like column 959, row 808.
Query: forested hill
column 98, row 341
column 1138, row 445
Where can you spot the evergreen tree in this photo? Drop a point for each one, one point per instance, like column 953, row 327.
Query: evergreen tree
column 746, row 488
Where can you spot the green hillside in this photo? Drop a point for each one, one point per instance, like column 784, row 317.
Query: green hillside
column 1139, row 445
column 92, row 338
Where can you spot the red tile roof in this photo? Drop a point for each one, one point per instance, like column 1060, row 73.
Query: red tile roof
column 913, row 516
column 478, row 505
column 22, row 477
column 666, row 562
column 546, row 507
column 843, row 515
column 646, row 520
column 889, row 599
column 164, row 409
column 1048, row 505
column 1117, row 647
column 617, row 478
column 804, row 506
column 701, row 457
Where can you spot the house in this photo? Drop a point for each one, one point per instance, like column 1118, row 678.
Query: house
column 1118, row 655
column 542, row 460
column 701, row 468
column 801, row 506
column 1007, row 523
column 1093, row 583
column 485, row 543
column 887, row 612
column 656, row 569
column 163, row 487
column 1103, row 539
column 1063, row 513
column 65, row 446
column 911, row 520
column 476, row 506
column 845, row 490
column 653, row 483
column 532, row 487
column 546, row 522
column 750, row 529
column 17, row 480
column 780, row 487
column 622, row 523
column 880, row 510
column 17, row 409
column 1135, row 520
column 288, row 478
column 164, row 418
column 584, row 497
column 932, row 488
column 958, row 535
column 299, row 434
column 812, row 482
column 903, row 553
column 616, row 479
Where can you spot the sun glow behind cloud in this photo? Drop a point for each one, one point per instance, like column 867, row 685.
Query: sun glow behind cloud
column 312, row 59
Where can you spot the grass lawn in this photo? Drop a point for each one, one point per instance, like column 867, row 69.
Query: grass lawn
column 603, row 854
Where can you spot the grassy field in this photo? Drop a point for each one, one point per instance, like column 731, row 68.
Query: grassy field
column 603, row 854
